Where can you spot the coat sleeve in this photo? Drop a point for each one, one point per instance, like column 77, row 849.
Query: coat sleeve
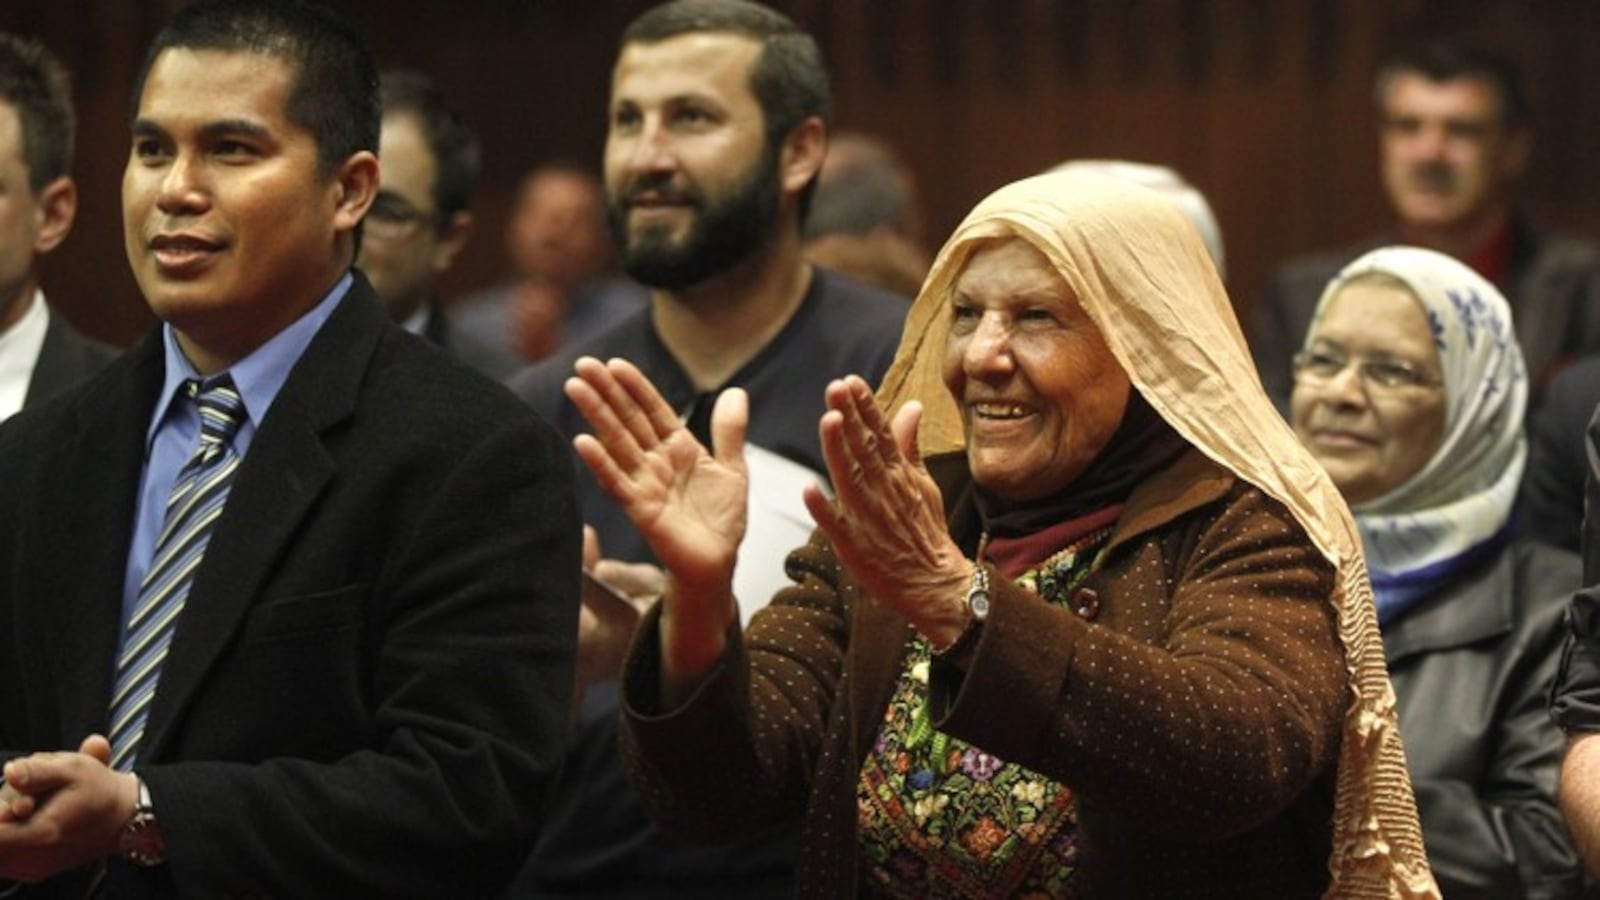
column 1218, row 696
column 1575, row 693
column 738, row 756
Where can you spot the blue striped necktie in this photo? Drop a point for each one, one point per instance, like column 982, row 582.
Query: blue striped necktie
column 195, row 503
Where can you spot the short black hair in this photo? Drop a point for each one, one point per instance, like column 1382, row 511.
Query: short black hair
column 1452, row 59
column 36, row 83
column 453, row 145
column 788, row 79
column 335, row 91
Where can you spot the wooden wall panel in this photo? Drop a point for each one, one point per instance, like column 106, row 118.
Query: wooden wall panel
column 1264, row 104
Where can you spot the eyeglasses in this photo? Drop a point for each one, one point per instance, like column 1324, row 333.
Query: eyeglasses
column 1321, row 364
column 391, row 216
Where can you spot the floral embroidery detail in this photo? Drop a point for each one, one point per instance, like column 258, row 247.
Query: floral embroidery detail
column 925, row 807
column 1029, row 792
column 1471, row 308
column 942, row 818
column 980, row 765
column 984, row 838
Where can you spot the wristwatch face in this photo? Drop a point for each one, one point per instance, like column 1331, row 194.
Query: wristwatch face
column 978, row 603
column 141, row 842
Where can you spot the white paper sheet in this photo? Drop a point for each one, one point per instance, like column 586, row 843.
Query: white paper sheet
column 778, row 522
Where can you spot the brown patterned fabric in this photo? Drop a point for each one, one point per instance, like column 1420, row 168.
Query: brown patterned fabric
column 1144, row 278
column 1195, row 715
column 942, row 818
column 1224, row 719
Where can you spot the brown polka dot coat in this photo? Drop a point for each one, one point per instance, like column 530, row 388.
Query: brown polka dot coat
column 1194, row 708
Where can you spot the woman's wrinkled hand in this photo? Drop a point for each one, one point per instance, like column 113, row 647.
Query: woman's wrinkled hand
column 886, row 518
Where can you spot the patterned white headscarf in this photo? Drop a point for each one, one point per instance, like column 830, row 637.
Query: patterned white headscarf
column 1463, row 496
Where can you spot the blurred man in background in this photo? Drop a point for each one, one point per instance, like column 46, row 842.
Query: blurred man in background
column 421, row 218
column 40, row 353
column 1454, row 138
column 563, row 290
column 866, row 219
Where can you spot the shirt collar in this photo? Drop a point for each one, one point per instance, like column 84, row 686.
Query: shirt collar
column 20, row 346
column 259, row 376
column 1492, row 259
column 417, row 321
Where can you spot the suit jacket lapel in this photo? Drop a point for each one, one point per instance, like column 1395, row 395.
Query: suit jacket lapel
column 104, row 452
column 286, row 469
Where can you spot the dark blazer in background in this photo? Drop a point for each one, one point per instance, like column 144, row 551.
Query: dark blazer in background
column 65, row 358
column 1552, row 484
column 497, row 362
column 369, row 688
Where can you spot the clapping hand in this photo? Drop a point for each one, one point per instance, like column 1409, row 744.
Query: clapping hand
column 886, row 518
column 690, row 504
column 615, row 594
column 59, row 810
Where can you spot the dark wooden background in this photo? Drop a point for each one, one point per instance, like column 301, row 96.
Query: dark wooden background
column 1264, row 104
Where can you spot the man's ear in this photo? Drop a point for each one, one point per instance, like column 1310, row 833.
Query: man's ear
column 453, row 236
column 803, row 149
column 57, row 207
column 355, row 187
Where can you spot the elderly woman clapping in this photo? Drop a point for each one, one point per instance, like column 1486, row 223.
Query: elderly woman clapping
column 1081, row 618
column 1410, row 391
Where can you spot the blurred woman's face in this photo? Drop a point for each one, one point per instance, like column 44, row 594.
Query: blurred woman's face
column 1039, row 391
column 1368, row 401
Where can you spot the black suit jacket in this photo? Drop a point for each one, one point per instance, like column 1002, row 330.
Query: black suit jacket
column 65, row 358
column 369, row 686
column 1552, row 484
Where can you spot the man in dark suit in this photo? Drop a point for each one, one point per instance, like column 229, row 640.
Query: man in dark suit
column 422, row 216
column 1455, row 133
column 361, row 688
column 40, row 353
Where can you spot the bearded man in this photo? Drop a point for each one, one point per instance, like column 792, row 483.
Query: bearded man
column 718, row 126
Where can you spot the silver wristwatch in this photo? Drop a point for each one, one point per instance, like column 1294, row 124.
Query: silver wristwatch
column 978, row 593
column 977, row 608
column 141, row 842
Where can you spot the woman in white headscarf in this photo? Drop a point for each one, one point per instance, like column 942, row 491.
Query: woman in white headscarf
column 1410, row 391
column 1114, row 639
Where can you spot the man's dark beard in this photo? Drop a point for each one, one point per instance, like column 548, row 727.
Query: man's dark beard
column 721, row 235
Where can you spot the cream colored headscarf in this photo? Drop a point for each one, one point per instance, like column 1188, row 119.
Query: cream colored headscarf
column 1145, row 279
